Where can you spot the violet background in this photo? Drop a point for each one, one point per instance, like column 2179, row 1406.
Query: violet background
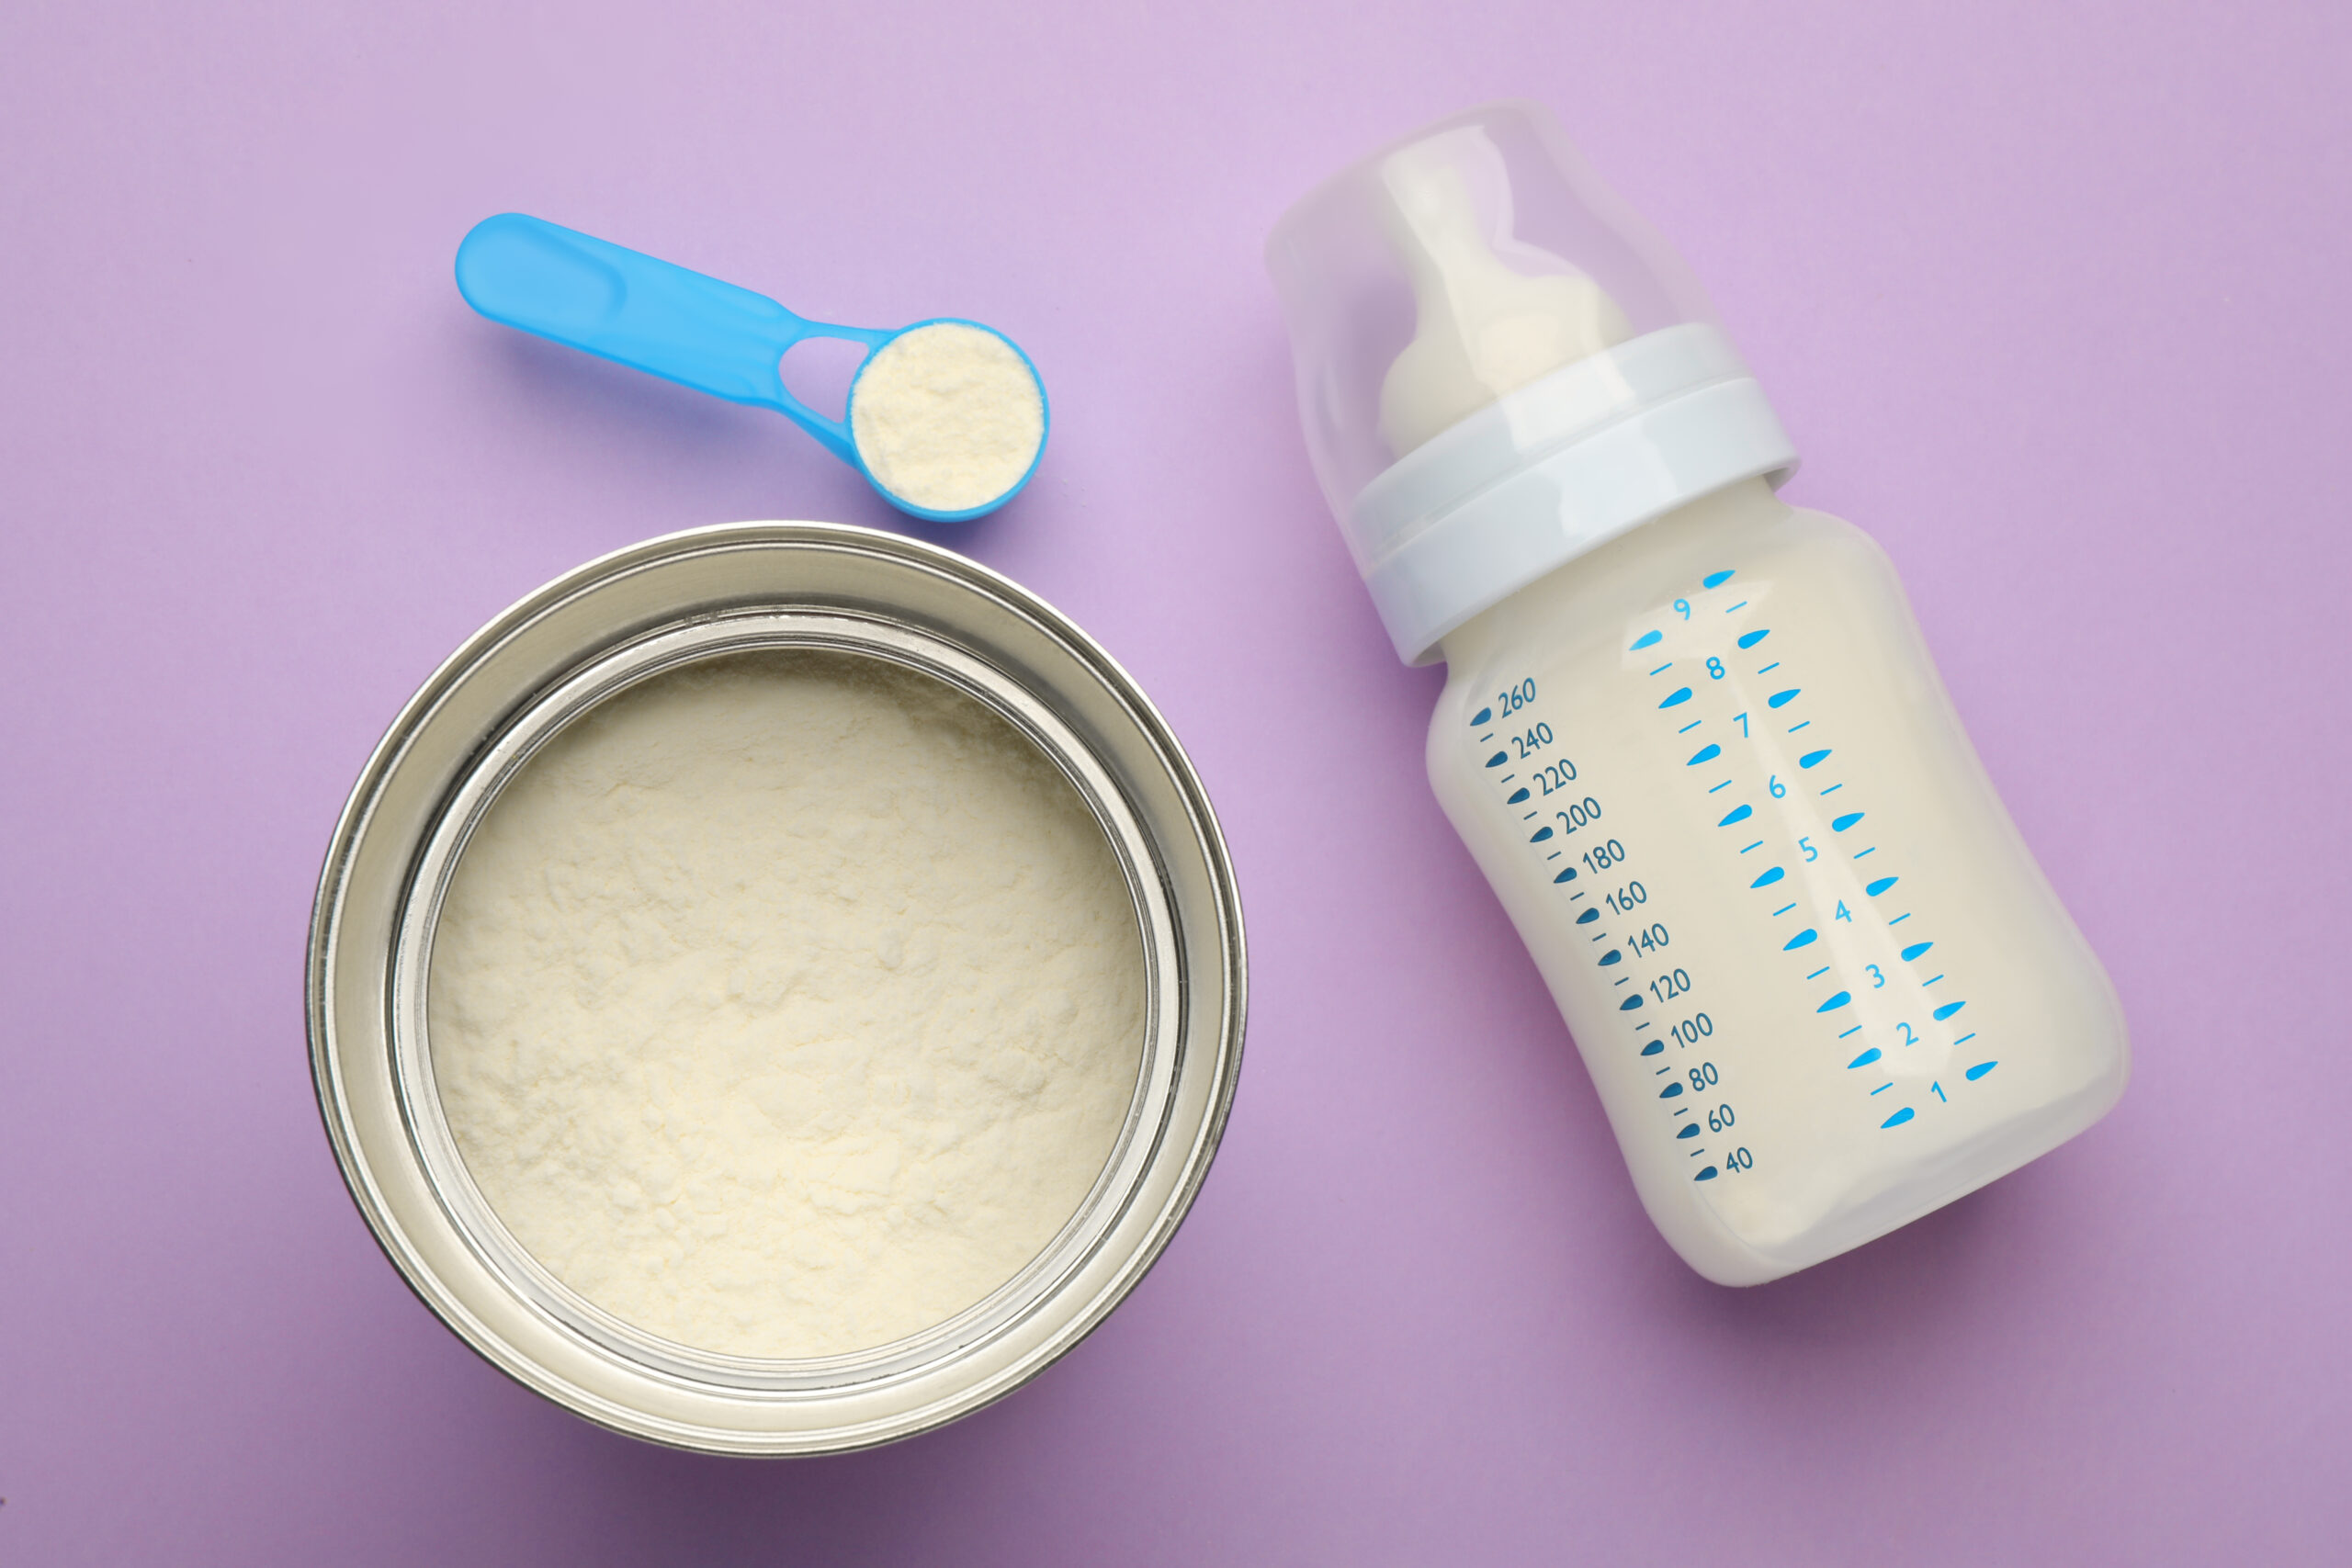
column 2052, row 298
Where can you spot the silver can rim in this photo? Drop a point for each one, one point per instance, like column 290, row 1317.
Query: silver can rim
column 368, row 1165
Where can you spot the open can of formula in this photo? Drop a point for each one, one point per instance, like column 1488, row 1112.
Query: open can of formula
column 624, row 1132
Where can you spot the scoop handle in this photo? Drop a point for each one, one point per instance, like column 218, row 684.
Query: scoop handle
column 648, row 314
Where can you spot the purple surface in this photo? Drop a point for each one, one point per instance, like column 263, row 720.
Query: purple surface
column 2054, row 304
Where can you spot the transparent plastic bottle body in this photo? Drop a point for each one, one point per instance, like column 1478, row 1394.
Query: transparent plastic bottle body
column 1817, row 977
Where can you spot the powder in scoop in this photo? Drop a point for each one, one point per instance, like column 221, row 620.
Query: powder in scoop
column 947, row 416
column 786, row 1004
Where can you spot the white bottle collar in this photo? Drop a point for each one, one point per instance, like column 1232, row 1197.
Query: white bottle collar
column 1557, row 468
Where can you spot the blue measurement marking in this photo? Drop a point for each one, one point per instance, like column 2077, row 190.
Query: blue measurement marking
column 1526, row 816
column 1663, row 668
column 1629, row 1004
column 1946, row 1011
column 1567, row 876
column 1689, row 1131
column 1639, row 1027
column 1756, row 845
column 1819, row 973
column 1899, row 1118
column 1556, row 855
column 1706, row 1175
column 1803, row 938
column 1750, row 640
column 1852, row 1033
column 1741, row 606
column 1794, row 727
column 1880, row 885
column 1864, row 1060
column 1782, row 910
column 1516, row 796
column 1880, row 1090
column 1840, row 824
column 1670, row 1091
column 1725, row 784
column 1814, row 759
column 1782, row 699
column 1681, row 695
column 1834, row 1003
column 1965, row 1038
column 1916, row 950
column 1653, row 1048
column 1931, row 980
column 1871, row 851
column 1498, row 759
column 1611, row 956
column 1647, row 639
column 1738, row 814
column 1770, row 876
column 1539, row 835
column 1979, row 1071
column 1588, row 916
column 1483, row 716
column 1769, row 668
column 1714, row 579
column 1900, row 919
column 1706, row 753
column 1506, row 778
column 1833, row 789
column 1690, row 727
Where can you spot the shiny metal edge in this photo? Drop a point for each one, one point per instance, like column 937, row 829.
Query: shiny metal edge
column 1208, row 840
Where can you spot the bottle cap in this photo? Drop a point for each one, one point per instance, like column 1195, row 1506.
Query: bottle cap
column 1500, row 367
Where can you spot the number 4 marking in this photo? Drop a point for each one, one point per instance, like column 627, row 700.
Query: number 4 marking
column 1841, row 911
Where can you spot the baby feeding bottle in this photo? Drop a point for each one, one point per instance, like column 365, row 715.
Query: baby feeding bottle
column 1689, row 733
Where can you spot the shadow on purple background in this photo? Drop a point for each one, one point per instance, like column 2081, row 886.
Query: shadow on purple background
column 2053, row 301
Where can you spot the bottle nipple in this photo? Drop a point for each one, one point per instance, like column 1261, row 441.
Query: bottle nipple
column 1484, row 329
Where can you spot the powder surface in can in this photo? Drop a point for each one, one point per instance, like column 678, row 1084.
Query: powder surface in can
column 786, row 1004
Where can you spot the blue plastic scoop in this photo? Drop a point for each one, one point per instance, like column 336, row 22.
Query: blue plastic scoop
column 953, row 416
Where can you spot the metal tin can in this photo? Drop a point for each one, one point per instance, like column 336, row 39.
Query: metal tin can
column 597, row 631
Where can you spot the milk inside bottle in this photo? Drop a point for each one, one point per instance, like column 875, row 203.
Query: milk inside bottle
column 1689, row 733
